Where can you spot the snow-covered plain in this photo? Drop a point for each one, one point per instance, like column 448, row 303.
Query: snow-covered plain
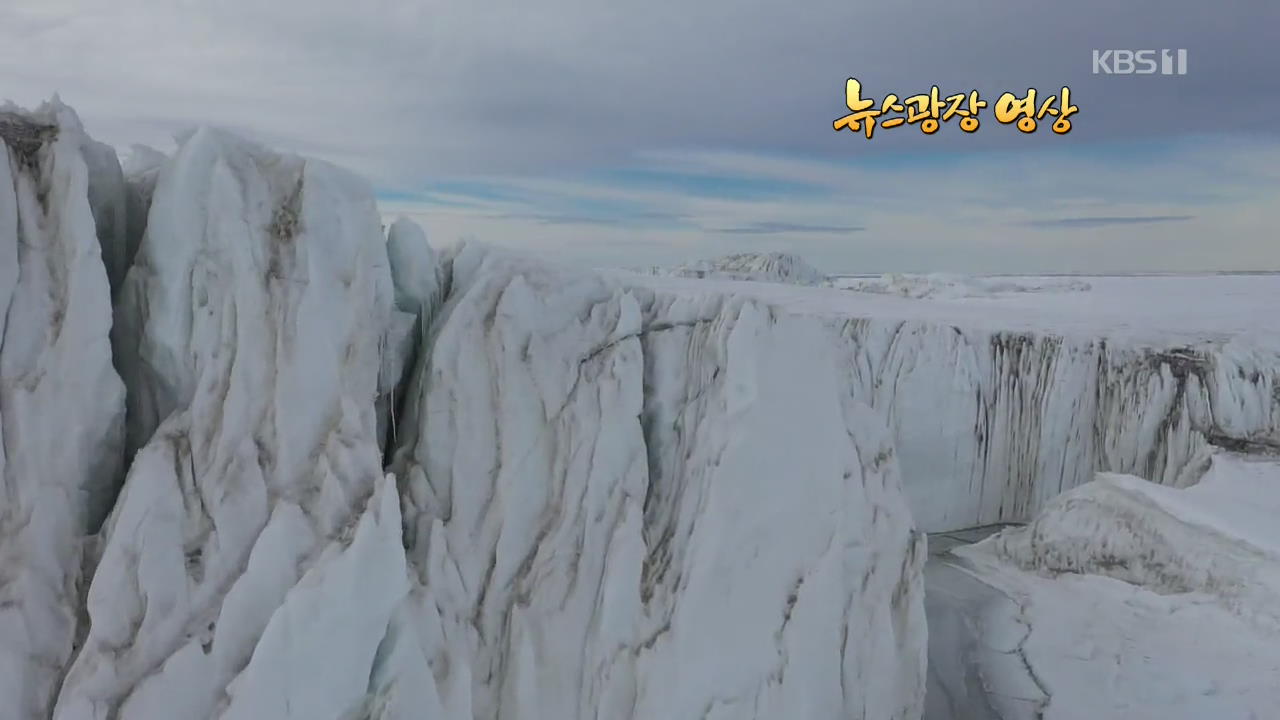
column 942, row 285
column 356, row 478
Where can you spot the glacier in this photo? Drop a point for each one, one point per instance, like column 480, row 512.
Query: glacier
column 1000, row 403
column 657, row 431
column 265, row 457
column 61, row 403
column 319, row 470
column 250, row 325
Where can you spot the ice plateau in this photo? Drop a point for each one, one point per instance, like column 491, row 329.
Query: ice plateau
column 302, row 469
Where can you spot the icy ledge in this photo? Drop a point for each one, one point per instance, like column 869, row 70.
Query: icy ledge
column 605, row 502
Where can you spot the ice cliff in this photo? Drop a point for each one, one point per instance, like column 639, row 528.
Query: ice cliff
column 1000, row 402
column 61, row 404
column 612, row 509
column 364, row 481
column 250, row 326
column 990, row 425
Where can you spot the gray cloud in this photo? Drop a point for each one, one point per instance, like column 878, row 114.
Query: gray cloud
column 569, row 220
column 1094, row 222
column 410, row 91
column 618, row 219
column 775, row 228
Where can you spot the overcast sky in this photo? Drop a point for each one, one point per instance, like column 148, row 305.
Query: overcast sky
column 622, row 133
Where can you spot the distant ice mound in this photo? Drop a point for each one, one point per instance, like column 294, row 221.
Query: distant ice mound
column 1125, row 594
column 943, row 285
column 1217, row 538
column 773, row 267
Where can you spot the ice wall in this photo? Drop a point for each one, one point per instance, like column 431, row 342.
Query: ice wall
column 250, row 330
column 624, row 505
column 634, row 498
column 991, row 425
column 605, row 502
column 61, row 404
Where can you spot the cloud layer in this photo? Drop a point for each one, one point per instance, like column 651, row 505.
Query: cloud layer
column 667, row 128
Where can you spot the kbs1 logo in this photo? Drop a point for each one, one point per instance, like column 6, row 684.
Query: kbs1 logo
column 1140, row 62
column 928, row 110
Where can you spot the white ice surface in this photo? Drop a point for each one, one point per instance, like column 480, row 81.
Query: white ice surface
column 250, row 330
column 61, row 403
column 1125, row 599
column 625, row 504
column 606, row 503
column 940, row 285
